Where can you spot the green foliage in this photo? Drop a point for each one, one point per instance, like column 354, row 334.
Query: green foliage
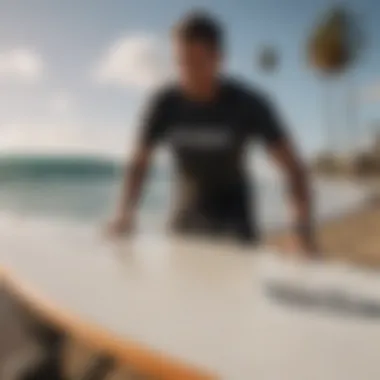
column 336, row 40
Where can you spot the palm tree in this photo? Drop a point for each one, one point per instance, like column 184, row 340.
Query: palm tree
column 332, row 48
column 268, row 59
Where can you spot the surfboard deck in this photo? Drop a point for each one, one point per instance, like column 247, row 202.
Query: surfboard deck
column 172, row 309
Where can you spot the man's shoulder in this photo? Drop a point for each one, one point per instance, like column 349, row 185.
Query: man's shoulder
column 241, row 90
column 165, row 94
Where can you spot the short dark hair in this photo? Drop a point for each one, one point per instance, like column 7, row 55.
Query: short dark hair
column 200, row 27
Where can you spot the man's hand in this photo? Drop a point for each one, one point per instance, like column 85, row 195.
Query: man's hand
column 121, row 226
column 294, row 244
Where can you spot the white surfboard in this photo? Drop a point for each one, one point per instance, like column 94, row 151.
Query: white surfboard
column 178, row 309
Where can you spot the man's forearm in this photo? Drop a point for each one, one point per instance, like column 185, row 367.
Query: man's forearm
column 134, row 178
column 286, row 156
column 302, row 203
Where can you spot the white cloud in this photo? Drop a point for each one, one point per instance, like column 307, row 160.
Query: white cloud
column 62, row 102
column 62, row 138
column 133, row 61
column 21, row 64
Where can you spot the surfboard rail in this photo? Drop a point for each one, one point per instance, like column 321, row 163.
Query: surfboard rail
column 125, row 352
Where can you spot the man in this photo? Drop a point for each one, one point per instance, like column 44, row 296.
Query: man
column 207, row 121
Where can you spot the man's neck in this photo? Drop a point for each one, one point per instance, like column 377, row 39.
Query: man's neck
column 203, row 92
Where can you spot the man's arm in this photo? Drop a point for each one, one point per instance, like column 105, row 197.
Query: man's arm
column 287, row 159
column 133, row 181
column 283, row 152
column 151, row 130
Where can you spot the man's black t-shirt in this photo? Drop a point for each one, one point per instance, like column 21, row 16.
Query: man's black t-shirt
column 209, row 141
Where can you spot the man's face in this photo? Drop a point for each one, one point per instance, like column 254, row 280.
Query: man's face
column 197, row 62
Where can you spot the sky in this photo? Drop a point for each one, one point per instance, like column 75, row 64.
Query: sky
column 74, row 74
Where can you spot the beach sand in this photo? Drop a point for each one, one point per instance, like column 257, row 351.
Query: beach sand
column 354, row 237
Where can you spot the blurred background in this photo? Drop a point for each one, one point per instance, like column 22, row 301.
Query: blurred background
column 74, row 75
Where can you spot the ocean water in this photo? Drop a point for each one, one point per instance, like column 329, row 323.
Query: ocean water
column 85, row 190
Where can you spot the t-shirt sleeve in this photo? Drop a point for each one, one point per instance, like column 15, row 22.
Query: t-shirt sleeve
column 266, row 122
column 153, row 120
